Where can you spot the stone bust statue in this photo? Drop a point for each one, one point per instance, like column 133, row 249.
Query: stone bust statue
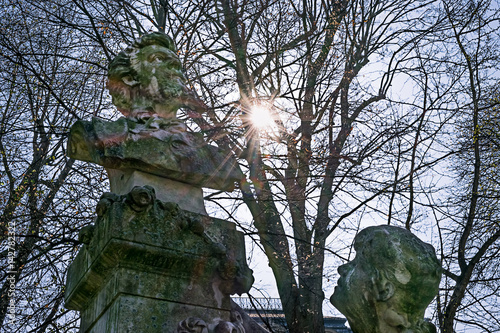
column 390, row 282
column 150, row 145
column 146, row 79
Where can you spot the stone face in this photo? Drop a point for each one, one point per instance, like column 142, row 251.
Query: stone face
column 390, row 282
column 147, row 78
column 149, row 256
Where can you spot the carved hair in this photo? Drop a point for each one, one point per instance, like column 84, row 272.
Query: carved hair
column 121, row 66
column 408, row 263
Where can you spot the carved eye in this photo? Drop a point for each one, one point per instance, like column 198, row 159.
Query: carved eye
column 129, row 80
column 160, row 57
column 157, row 57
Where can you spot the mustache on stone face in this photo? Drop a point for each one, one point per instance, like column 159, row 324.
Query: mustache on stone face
column 163, row 88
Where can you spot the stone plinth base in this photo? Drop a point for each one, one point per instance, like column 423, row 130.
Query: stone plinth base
column 148, row 266
column 126, row 315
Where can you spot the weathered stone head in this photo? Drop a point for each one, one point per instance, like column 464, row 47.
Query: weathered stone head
column 147, row 84
column 147, row 78
column 390, row 282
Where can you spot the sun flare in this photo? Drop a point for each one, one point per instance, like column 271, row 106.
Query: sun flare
column 262, row 118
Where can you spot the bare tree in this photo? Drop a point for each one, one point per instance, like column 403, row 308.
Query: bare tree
column 471, row 248
column 303, row 62
column 344, row 142
column 48, row 82
column 456, row 74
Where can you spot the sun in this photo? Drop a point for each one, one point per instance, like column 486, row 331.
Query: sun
column 261, row 118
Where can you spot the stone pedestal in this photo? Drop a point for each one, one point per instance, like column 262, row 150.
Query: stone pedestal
column 188, row 197
column 148, row 266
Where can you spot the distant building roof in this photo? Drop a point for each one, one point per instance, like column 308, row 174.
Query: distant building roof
column 269, row 313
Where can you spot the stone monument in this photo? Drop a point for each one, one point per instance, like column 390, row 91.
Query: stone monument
column 390, row 282
column 154, row 261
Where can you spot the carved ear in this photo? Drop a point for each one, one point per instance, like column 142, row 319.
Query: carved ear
column 385, row 290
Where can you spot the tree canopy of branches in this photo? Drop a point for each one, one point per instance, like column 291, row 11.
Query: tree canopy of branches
column 48, row 82
column 380, row 112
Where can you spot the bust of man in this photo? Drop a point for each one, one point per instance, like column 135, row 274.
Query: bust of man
column 150, row 145
column 146, row 79
column 390, row 282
